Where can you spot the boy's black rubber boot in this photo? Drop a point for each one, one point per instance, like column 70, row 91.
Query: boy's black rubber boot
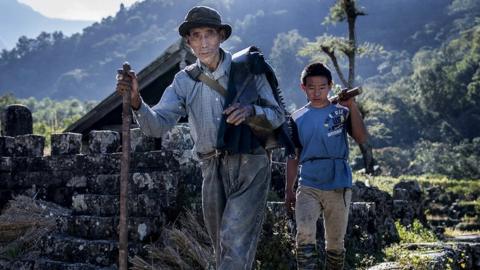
column 307, row 257
column 334, row 260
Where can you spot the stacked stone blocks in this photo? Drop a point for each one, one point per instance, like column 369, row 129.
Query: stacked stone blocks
column 86, row 180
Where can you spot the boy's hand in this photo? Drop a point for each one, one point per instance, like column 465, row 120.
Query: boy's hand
column 347, row 102
column 290, row 200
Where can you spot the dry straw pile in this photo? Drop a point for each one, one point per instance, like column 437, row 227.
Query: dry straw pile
column 184, row 246
column 24, row 222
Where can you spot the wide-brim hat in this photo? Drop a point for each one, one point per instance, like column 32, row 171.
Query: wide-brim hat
column 202, row 16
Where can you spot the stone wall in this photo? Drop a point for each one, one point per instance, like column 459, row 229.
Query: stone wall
column 162, row 183
column 85, row 179
column 65, row 175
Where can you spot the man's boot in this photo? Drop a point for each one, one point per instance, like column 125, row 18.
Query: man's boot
column 334, row 260
column 307, row 257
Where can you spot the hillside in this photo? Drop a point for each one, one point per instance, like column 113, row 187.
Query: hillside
column 81, row 65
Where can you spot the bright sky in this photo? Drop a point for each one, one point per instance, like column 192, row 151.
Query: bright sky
column 92, row 10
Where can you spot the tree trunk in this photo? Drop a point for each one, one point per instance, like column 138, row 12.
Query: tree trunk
column 367, row 154
column 352, row 13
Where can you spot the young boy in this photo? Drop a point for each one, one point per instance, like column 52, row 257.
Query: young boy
column 320, row 136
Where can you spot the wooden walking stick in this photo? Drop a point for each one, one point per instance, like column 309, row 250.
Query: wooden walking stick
column 124, row 171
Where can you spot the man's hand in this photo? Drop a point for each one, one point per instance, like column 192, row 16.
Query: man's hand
column 290, row 200
column 238, row 113
column 123, row 84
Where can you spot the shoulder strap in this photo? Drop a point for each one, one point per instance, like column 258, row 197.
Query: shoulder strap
column 193, row 71
column 196, row 74
column 213, row 84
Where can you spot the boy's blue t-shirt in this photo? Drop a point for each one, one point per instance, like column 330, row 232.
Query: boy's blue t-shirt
column 321, row 136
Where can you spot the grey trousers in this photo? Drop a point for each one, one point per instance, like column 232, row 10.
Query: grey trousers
column 234, row 195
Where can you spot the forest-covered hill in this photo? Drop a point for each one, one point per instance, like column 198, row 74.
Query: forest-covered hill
column 422, row 90
column 81, row 66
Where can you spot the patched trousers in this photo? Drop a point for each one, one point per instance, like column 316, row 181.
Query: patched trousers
column 234, row 196
column 335, row 205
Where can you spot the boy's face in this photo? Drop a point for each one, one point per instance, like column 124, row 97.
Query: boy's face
column 317, row 88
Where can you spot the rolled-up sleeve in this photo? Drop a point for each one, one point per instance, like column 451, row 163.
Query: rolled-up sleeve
column 269, row 108
column 157, row 120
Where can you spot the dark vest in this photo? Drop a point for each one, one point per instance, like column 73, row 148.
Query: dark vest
column 239, row 139
column 242, row 88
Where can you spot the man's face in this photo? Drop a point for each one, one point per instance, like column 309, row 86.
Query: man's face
column 316, row 88
column 205, row 43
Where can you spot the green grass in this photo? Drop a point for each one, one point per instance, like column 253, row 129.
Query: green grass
column 386, row 183
column 476, row 203
column 406, row 258
column 416, row 233
column 452, row 232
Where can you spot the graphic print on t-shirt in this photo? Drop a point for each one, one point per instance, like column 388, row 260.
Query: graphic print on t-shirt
column 335, row 121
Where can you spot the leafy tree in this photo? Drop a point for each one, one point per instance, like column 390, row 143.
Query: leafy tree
column 447, row 87
column 338, row 48
column 457, row 161
column 464, row 6
column 286, row 62
column 7, row 99
column 50, row 116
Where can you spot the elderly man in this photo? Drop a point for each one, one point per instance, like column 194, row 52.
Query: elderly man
column 235, row 178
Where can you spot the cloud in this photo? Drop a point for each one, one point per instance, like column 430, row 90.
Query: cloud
column 92, row 10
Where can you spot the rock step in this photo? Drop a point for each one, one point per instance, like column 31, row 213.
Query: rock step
column 442, row 221
column 140, row 229
column 48, row 186
column 446, row 256
column 99, row 163
column 466, row 209
column 71, row 251
column 58, row 265
column 468, row 226
column 158, row 182
column 17, row 265
column 154, row 180
column 75, row 250
column 455, row 210
column 468, row 238
column 141, row 205
column 436, row 209
column 386, row 266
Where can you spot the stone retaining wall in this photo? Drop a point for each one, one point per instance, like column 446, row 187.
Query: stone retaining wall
column 163, row 183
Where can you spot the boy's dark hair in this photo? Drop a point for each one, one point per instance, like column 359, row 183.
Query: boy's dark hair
column 316, row 69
